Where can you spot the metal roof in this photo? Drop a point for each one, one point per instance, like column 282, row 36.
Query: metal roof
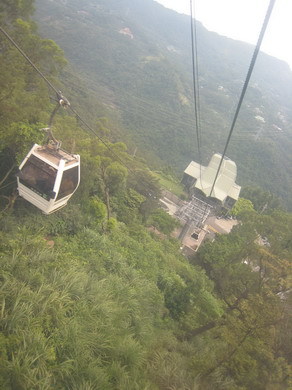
column 193, row 169
column 225, row 183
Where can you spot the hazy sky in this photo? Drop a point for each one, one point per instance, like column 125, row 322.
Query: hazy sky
column 242, row 20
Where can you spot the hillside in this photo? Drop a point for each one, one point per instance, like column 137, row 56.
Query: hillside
column 98, row 295
column 134, row 57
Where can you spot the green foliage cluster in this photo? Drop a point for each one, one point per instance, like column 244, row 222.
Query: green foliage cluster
column 242, row 206
column 86, row 308
column 263, row 201
column 163, row 221
column 91, row 299
column 86, row 305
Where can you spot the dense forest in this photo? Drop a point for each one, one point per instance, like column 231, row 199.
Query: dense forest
column 91, row 297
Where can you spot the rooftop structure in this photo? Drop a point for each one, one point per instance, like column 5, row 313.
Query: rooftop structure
column 199, row 178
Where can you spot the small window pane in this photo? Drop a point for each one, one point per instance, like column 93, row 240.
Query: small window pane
column 38, row 176
column 69, row 182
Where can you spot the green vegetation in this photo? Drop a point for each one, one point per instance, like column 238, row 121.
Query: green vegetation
column 171, row 184
column 88, row 305
column 91, row 298
column 163, row 222
column 241, row 207
column 263, row 201
column 146, row 84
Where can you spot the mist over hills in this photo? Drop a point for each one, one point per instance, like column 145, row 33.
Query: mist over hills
column 135, row 58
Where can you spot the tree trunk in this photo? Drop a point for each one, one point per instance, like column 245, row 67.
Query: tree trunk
column 107, row 199
column 105, row 190
column 220, row 321
column 7, row 174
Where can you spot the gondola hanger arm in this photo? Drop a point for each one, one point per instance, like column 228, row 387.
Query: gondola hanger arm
column 62, row 101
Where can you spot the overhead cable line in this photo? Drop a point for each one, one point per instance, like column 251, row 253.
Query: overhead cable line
column 248, row 76
column 28, row 59
column 195, row 72
column 195, row 76
column 69, row 106
column 101, row 139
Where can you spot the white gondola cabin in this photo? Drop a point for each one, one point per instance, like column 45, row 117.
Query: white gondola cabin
column 48, row 177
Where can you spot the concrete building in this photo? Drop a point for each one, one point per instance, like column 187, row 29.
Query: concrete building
column 199, row 180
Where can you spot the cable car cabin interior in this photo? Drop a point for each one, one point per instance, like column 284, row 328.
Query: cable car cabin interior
column 48, row 177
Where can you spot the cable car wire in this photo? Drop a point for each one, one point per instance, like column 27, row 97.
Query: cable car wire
column 60, row 96
column 100, row 138
column 195, row 73
column 248, row 76
column 28, row 59
column 195, row 78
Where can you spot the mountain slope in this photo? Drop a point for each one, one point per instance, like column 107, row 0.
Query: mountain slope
column 135, row 57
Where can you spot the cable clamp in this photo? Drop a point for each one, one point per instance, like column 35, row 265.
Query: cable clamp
column 63, row 101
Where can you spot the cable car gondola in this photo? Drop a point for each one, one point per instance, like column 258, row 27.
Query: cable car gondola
column 48, row 177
